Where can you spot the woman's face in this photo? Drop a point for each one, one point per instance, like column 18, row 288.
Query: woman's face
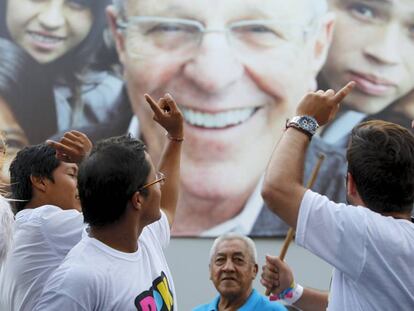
column 48, row 29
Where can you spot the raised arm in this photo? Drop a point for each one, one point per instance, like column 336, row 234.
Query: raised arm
column 283, row 188
column 73, row 147
column 167, row 114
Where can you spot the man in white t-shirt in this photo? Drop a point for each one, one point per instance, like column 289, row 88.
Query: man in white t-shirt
column 369, row 243
column 119, row 263
column 48, row 222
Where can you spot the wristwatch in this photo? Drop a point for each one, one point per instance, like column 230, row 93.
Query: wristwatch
column 305, row 124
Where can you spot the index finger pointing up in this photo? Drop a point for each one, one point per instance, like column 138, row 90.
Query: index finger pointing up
column 154, row 106
column 342, row 93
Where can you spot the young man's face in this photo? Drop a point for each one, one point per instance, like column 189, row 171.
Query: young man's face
column 236, row 84
column 63, row 191
column 373, row 45
column 48, row 29
column 14, row 132
column 232, row 269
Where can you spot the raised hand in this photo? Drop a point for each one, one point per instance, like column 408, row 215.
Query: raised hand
column 73, row 147
column 168, row 115
column 323, row 105
column 276, row 275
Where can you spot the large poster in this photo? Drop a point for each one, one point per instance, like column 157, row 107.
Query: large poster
column 236, row 68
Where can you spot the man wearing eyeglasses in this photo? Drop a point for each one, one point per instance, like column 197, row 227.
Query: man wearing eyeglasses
column 237, row 69
column 119, row 264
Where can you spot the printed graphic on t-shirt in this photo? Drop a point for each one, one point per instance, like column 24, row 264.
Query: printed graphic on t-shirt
column 158, row 298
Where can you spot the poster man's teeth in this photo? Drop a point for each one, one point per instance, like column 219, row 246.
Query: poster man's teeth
column 217, row 120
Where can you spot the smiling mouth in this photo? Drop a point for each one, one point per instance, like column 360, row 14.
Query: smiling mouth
column 44, row 38
column 219, row 120
column 371, row 85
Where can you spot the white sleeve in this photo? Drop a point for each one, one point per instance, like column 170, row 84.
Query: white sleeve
column 161, row 230
column 336, row 233
column 58, row 301
column 63, row 229
column 69, row 288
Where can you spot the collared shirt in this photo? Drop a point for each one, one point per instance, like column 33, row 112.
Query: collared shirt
column 255, row 302
column 338, row 132
column 133, row 128
column 244, row 221
column 99, row 93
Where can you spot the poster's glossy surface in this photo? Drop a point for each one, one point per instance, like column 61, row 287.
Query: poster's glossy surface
column 237, row 69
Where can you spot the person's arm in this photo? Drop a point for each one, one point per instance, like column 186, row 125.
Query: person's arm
column 312, row 300
column 278, row 278
column 282, row 189
column 169, row 116
column 73, row 147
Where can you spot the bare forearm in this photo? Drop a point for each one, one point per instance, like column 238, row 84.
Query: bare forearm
column 312, row 300
column 170, row 166
column 283, row 189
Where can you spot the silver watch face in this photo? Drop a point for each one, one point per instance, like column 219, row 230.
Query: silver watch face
column 308, row 123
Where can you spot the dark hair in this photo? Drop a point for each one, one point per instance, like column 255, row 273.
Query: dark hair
column 38, row 160
column 28, row 93
column 72, row 63
column 381, row 161
column 107, row 179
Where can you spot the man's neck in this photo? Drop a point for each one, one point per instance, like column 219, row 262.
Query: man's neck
column 35, row 203
column 196, row 215
column 118, row 236
column 233, row 303
column 406, row 216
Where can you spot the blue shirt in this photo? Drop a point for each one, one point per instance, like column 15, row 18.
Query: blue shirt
column 256, row 302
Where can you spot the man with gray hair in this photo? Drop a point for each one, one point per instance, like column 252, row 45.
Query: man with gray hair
column 233, row 267
column 237, row 69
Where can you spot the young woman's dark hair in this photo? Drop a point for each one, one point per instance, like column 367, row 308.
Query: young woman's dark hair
column 72, row 83
column 67, row 68
column 28, row 93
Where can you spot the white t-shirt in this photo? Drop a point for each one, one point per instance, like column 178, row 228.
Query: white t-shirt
column 95, row 276
column 373, row 255
column 42, row 238
column 6, row 224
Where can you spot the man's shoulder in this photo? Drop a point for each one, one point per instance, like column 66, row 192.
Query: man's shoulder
column 211, row 306
column 76, row 280
column 77, row 267
column 205, row 307
column 50, row 215
column 260, row 302
column 158, row 231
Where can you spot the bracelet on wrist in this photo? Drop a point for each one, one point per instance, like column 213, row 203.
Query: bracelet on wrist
column 177, row 139
column 290, row 295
